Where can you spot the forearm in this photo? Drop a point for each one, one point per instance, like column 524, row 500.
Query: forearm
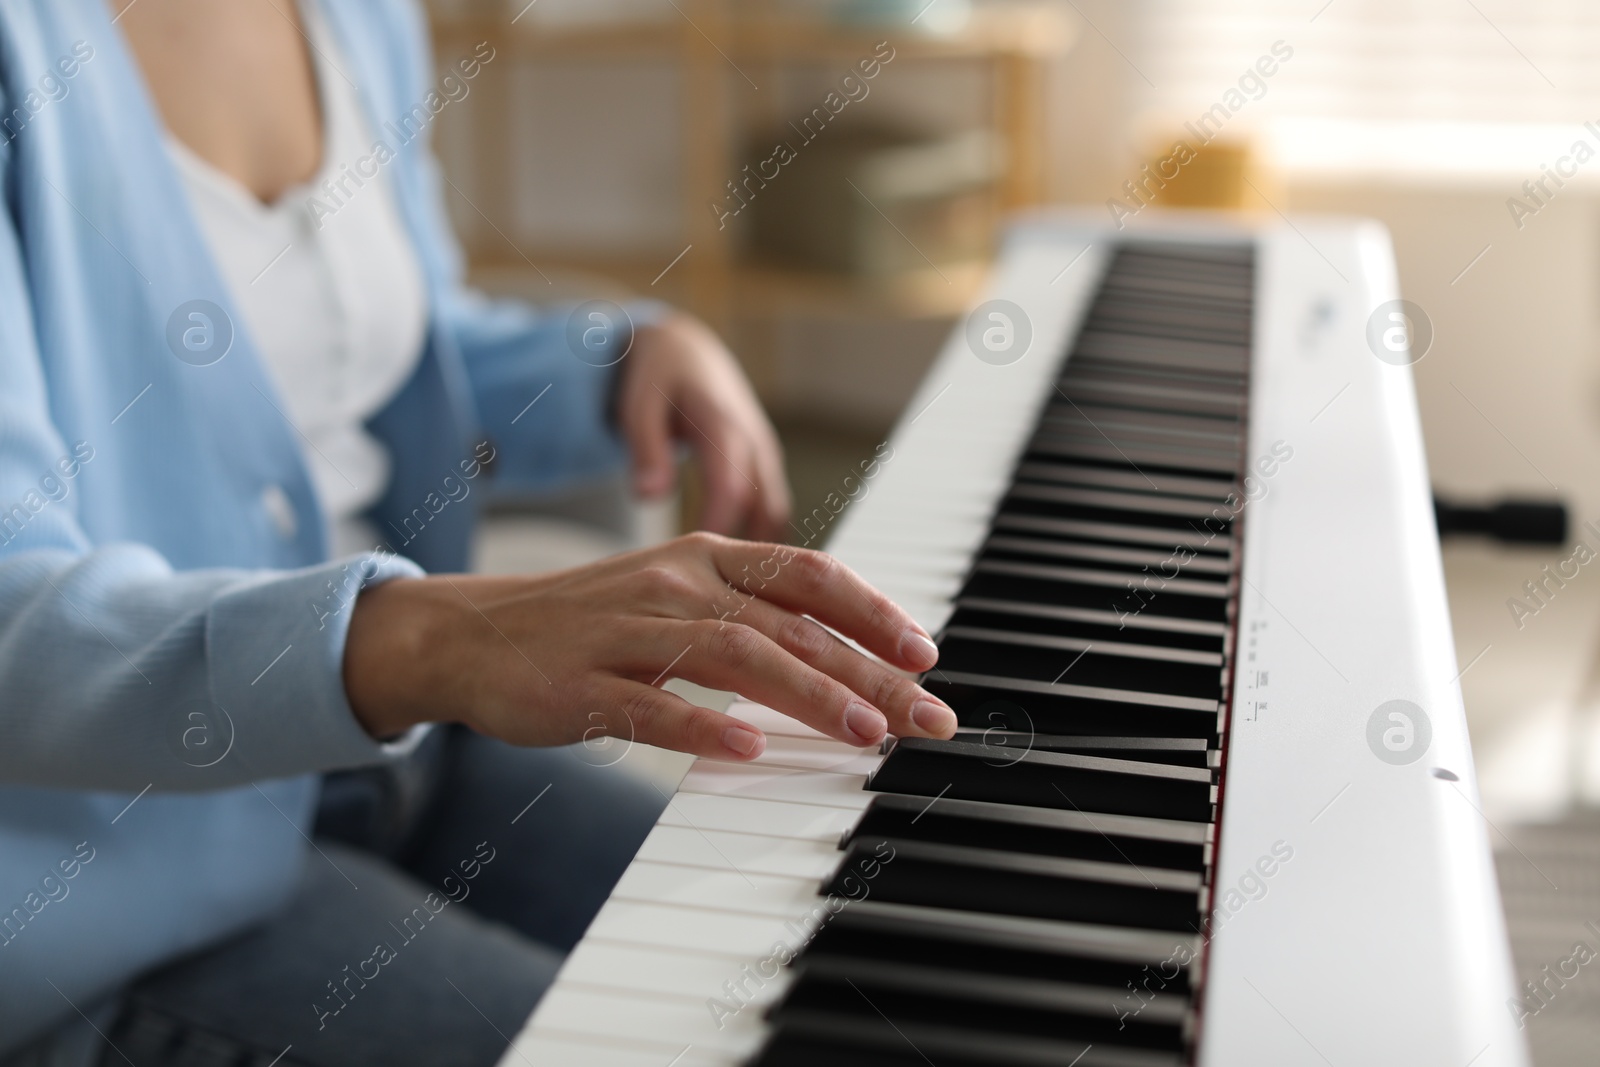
column 120, row 673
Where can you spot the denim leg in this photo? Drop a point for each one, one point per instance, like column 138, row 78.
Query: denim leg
column 440, row 955
column 367, row 965
column 554, row 862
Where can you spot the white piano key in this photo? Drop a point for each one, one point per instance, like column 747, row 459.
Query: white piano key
column 774, row 783
column 743, row 938
column 668, row 883
column 819, row 755
column 880, row 545
column 773, row 723
column 650, row 969
column 643, row 1017
column 915, row 573
column 930, row 613
column 909, row 591
column 913, row 541
column 747, row 854
column 751, row 816
column 907, row 580
column 539, row 1048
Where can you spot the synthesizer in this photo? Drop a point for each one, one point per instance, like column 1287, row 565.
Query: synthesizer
column 1163, row 500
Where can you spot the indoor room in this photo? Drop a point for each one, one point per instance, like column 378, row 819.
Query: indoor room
column 695, row 533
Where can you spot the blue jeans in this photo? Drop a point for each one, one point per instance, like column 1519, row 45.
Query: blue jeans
column 427, row 946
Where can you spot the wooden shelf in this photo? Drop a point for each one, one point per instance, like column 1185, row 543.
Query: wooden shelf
column 926, row 293
column 764, row 290
column 716, row 49
column 1022, row 29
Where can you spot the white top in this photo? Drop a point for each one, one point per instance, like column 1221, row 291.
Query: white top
column 331, row 292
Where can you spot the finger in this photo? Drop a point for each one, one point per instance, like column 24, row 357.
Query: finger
column 647, row 427
column 729, row 487
column 741, row 659
column 814, row 583
column 772, row 509
column 911, row 710
column 656, row 717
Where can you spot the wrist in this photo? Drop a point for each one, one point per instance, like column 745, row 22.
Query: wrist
column 386, row 657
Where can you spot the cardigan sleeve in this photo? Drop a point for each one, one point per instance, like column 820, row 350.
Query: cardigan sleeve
column 547, row 409
column 120, row 673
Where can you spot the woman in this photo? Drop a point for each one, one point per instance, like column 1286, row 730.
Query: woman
column 209, row 392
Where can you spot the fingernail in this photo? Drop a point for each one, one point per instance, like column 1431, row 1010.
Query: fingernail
column 742, row 742
column 933, row 718
column 918, row 649
column 865, row 723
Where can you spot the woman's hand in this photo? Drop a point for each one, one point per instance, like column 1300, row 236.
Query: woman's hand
column 553, row 659
column 680, row 383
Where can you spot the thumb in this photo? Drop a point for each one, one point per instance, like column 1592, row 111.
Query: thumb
column 647, row 427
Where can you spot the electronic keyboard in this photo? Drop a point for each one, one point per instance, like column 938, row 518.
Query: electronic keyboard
column 1163, row 499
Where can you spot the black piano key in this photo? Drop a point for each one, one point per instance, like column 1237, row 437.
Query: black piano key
column 809, row 1039
column 1192, row 285
column 926, row 767
column 1156, row 429
column 1180, row 398
column 1089, row 624
column 1178, row 751
column 1119, row 959
column 1198, row 461
column 1067, row 834
column 994, row 652
column 1016, row 630
column 1200, row 589
column 1214, row 489
column 1132, row 561
column 1223, row 325
column 1011, row 883
column 1169, row 317
column 986, row 705
column 1133, row 286
column 1148, row 386
column 1189, row 289
column 1167, row 412
column 1151, row 507
column 1190, row 354
column 1053, row 501
column 1149, row 390
column 1128, row 597
column 1215, row 260
column 1100, row 694
column 984, row 1003
column 1203, row 539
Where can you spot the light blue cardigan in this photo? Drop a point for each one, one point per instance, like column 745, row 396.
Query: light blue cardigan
column 145, row 582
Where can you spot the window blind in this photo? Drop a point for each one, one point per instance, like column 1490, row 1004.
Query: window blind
column 1411, row 61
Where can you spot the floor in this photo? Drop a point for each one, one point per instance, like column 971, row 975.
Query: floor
column 1550, row 878
column 1531, row 698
